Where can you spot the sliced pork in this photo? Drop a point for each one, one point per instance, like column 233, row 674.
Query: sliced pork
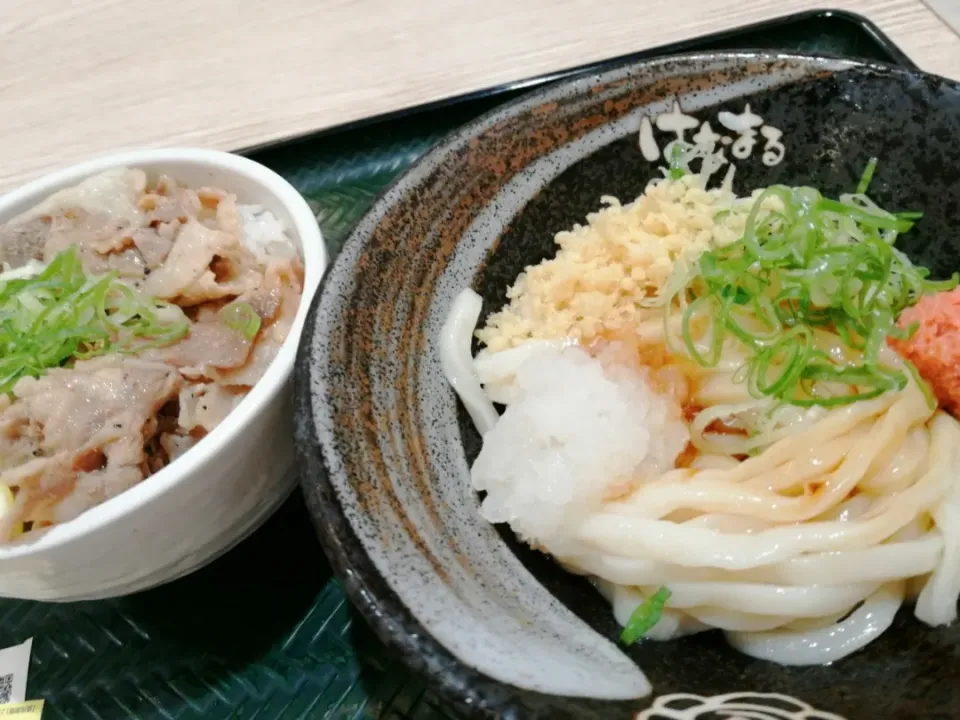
column 210, row 344
column 276, row 302
column 92, row 418
column 24, row 240
column 76, row 433
column 204, row 264
column 205, row 405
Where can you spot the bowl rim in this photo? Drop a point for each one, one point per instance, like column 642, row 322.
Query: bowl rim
column 461, row 685
column 278, row 374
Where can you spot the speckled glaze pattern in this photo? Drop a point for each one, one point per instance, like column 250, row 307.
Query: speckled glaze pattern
column 384, row 449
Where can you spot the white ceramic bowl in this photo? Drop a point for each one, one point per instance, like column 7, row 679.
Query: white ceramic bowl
column 220, row 491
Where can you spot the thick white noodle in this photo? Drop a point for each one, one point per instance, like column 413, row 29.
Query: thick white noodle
column 697, row 547
column 802, row 552
column 937, row 604
column 878, row 564
column 726, row 619
column 818, row 647
column 456, row 360
column 794, row 601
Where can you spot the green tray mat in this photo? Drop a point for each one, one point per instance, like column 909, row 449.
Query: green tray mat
column 265, row 632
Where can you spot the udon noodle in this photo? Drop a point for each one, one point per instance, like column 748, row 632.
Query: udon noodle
column 797, row 529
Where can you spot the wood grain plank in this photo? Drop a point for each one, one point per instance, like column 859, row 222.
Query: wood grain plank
column 81, row 79
column 948, row 11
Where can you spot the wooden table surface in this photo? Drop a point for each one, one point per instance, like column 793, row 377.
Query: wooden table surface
column 78, row 79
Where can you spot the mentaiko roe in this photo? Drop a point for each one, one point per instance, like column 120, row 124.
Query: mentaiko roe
column 934, row 348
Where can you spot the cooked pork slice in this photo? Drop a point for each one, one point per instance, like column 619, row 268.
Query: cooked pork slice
column 20, row 436
column 92, row 488
column 225, row 279
column 23, row 240
column 264, row 353
column 41, row 483
column 228, row 214
column 176, row 445
column 204, row 264
column 286, row 273
column 170, row 202
column 110, row 396
column 265, row 301
column 154, row 246
column 282, row 281
column 210, row 344
column 193, row 250
column 103, row 243
column 276, row 301
column 205, row 405
column 92, row 214
column 91, row 420
column 114, row 242
column 113, row 194
column 265, row 349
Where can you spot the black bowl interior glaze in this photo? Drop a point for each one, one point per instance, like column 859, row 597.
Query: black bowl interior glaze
column 831, row 130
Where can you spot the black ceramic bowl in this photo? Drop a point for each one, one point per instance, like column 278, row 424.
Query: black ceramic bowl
column 384, row 446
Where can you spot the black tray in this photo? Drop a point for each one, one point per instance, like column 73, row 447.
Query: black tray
column 264, row 632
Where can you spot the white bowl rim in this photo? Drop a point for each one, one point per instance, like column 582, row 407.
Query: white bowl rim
column 276, row 376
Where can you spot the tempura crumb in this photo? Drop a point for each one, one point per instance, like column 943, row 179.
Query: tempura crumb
column 624, row 255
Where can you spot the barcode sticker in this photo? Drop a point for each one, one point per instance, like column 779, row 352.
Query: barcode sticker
column 6, row 689
column 14, row 664
column 32, row 710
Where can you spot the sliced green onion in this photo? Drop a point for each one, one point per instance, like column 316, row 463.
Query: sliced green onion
column 867, row 176
column 676, row 158
column 241, row 316
column 644, row 617
column 942, row 285
column 923, row 384
column 817, row 263
column 864, row 217
column 62, row 314
column 793, row 346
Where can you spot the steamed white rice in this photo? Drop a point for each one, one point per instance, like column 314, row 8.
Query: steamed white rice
column 263, row 233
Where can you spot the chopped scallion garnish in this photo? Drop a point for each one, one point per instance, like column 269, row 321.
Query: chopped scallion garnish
column 677, row 170
column 63, row 314
column 867, row 176
column 646, row 615
column 241, row 316
column 807, row 263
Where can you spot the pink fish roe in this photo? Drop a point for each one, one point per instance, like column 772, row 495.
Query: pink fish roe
column 934, row 348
